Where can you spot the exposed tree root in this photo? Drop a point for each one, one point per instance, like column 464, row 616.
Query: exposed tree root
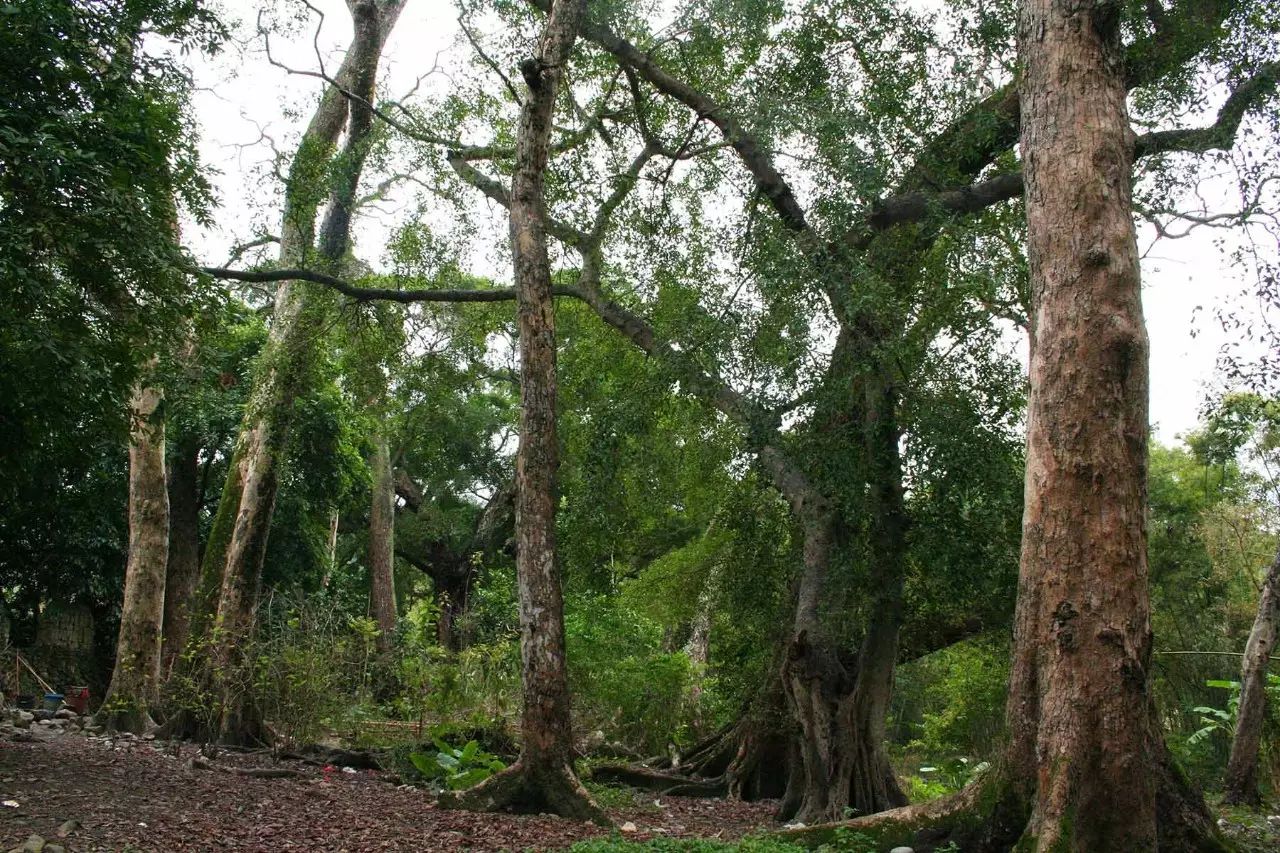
column 125, row 719
column 660, row 781
column 991, row 816
column 199, row 762
column 526, row 789
column 359, row 759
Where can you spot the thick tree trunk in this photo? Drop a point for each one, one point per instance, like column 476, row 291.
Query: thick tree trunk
column 382, row 509
column 841, row 704
column 1084, row 740
column 543, row 778
column 184, row 550
column 135, row 680
column 1086, row 768
column 1242, row 768
column 231, row 572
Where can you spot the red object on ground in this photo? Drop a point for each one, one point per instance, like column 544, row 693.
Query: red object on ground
column 77, row 699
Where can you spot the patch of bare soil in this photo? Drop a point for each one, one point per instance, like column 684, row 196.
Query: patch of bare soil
column 133, row 795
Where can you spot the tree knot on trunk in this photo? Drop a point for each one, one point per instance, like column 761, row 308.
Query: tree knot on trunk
column 531, row 69
column 1063, row 616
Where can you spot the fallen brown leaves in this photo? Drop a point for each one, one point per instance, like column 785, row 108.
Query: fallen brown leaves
column 136, row 796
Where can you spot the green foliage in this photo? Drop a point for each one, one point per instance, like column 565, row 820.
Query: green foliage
column 457, row 768
column 621, row 678
column 96, row 154
column 949, row 706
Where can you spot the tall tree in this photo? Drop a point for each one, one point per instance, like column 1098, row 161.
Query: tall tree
column 382, row 553
column 543, row 777
column 135, row 680
column 233, row 559
column 1086, row 767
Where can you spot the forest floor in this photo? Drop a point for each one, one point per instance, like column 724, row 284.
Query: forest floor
column 135, row 795
column 125, row 794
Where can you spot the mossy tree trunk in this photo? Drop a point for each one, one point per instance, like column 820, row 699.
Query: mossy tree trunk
column 135, row 680
column 226, row 601
column 184, row 550
column 1086, row 768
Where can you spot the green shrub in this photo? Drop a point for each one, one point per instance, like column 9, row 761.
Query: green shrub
column 457, row 768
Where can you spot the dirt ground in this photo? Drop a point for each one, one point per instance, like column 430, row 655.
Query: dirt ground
column 138, row 796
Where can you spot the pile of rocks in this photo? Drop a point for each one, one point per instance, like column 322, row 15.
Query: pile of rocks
column 19, row 725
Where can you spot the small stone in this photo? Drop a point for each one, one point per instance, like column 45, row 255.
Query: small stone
column 35, row 844
column 66, row 714
column 902, row 850
column 68, row 827
column 23, row 719
column 629, row 827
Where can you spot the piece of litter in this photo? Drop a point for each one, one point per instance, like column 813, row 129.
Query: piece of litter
column 140, row 823
column 10, row 804
column 348, row 770
column 628, row 827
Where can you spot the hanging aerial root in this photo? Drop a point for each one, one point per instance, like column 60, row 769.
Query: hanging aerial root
column 530, row 790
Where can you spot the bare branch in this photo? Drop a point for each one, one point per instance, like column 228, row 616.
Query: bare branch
column 475, row 45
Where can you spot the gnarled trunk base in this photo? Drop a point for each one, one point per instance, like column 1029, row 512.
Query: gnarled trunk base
column 527, row 788
column 991, row 816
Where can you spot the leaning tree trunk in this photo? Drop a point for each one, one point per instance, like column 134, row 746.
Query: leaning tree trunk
column 382, row 509
column 1242, row 768
column 136, row 677
column 223, row 620
column 184, row 550
column 543, row 778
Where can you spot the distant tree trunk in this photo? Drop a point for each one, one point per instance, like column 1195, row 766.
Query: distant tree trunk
column 543, row 778
column 1242, row 768
column 382, row 509
column 135, row 680
column 232, row 566
column 184, row 550
column 331, row 549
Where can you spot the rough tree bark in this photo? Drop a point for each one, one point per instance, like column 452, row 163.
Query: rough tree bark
column 184, row 550
column 840, row 704
column 543, row 777
column 135, row 679
column 1086, row 768
column 1242, row 767
column 382, row 510
column 232, row 566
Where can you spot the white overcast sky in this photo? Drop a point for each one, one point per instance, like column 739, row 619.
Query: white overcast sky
column 243, row 100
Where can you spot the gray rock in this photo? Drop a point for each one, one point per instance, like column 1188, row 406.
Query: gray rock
column 66, row 714
column 22, row 719
column 902, row 850
column 68, row 827
column 35, row 844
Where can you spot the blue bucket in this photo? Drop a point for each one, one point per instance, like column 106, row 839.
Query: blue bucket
column 52, row 702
